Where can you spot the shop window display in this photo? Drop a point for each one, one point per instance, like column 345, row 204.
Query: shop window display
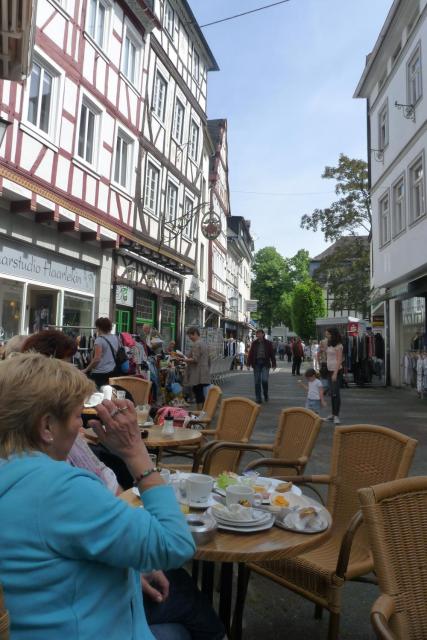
column 78, row 311
column 10, row 308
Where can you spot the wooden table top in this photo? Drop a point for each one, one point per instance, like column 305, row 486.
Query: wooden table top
column 156, row 439
column 273, row 544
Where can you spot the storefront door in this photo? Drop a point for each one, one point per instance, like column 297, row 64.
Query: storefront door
column 124, row 320
column 42, row 307
column 168, row 328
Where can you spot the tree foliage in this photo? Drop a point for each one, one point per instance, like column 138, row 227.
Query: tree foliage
column 345, row 272
column 352, row 212
column 307, row 305
column 271, row 279
column 299, row 266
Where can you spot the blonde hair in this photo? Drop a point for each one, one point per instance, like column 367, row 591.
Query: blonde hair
column 32, row 386
column 14, row 345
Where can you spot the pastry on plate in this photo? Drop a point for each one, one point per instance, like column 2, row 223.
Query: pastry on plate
column 283, row 487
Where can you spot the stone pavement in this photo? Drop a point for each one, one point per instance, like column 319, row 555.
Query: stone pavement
column 272, row 611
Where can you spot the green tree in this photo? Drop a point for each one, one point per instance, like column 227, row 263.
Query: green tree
column 299, row 266
column 284, row 311
column 271, row 279
column 345, row 272
column 352, row 212
column 307, row 305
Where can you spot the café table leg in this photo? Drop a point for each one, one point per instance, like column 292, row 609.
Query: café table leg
column 208, row 579
column 225, row 594
column 242, row 587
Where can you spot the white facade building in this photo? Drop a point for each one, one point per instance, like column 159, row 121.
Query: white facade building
column 394, row 84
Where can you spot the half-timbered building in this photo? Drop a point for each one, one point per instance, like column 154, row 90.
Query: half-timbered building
column 101, row 163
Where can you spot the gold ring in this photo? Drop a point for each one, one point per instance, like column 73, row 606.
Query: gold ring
column 121, row 409
column 114, row 412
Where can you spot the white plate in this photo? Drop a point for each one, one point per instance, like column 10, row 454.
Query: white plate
column 287, row 523
column 261, row 519
column 258, row 527
column 274, row 482
column 198, row 505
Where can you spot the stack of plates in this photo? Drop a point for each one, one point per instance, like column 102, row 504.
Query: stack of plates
column 261, row 520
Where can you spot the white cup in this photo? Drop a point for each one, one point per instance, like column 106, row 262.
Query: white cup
column 166, row 475
column 198, row 488
column 236, row 492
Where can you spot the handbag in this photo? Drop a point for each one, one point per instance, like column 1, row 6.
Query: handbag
column 120, row 356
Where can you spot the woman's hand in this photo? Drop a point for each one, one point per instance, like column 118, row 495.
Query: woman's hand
column 155, row 585
column 118, row 430
column 334, row 376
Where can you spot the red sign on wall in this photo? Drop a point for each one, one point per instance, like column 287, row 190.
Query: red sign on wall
column 353, row 328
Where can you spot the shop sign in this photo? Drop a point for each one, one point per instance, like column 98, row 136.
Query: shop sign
column 251, row 305
column 377, row 321
column 124, row 296
column 32, row 263
column 353, row 328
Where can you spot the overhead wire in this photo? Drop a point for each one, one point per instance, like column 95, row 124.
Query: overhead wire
column 245, row 13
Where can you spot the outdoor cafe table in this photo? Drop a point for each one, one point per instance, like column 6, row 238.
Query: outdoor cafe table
column 157, row 440
column 229, row 548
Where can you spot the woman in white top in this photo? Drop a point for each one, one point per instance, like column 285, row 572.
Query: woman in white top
column 334, row 360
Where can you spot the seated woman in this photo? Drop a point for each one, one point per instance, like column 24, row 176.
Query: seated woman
column 72, row 553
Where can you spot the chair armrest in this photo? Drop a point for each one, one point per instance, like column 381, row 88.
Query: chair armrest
column 208, row 432
column 278, row 462
column 381, row 612
column 199, row 457
column 346, row 543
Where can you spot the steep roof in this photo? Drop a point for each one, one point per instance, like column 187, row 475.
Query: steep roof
column 341, row 242
column 213, row 65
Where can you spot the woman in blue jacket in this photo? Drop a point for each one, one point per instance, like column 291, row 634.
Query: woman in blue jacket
column 72, row 553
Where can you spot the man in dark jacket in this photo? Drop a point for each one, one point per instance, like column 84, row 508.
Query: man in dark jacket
column 261, row 357
column 297, row 356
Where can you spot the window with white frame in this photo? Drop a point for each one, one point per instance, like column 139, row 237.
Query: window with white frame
column 131, row 57
column 417, row 190
column 171, row 203
column 415, row 89
column 384, row 212
column 169, row 19
column 98, row 21
column 399, row 206
column 123, row 160
column 41, row 97
column 196, row 66
column 178, row 121
column 88, row 132
column 159, row 96
column 151, row 195
column 383, row 127
column 188, row 213
column 194, row 140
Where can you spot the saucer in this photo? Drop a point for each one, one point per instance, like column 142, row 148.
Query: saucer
column 198, row 505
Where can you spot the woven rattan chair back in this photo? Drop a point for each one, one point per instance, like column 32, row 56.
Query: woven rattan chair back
column 211, row 402
column 363, row 455
column 395, row 515
column 296, row 434
column 235, row 423
column 138, row 388
column 4, row 618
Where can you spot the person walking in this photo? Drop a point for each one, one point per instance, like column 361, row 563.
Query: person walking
column 261, row 357
column 288, row 352
column 241, row 353
column 281, row 350
column 198, row 373
column 314, row 390
column 297, row 356
column 334, row 360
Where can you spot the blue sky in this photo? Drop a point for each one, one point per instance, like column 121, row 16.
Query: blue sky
column 286, row 80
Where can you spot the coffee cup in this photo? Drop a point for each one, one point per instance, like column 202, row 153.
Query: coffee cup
column 198, row 488
column 236, row 492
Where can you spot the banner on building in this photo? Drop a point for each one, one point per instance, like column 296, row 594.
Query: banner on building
column 251, row 305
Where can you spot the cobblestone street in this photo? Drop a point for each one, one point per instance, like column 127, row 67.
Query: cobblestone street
column 290, row 616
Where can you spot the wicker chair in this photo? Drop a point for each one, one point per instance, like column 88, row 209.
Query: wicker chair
column 138, row 388
column 209, row 409
column 235, row 424
column 395, row 514
column 296, row 434
column 362, row 455
column 4, row 618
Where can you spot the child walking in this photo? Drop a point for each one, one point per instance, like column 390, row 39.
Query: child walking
column 314, row 390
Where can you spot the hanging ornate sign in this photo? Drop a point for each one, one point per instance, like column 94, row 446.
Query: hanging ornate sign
column 211, row 225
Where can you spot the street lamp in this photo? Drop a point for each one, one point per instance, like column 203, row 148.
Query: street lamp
column 3, row 126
